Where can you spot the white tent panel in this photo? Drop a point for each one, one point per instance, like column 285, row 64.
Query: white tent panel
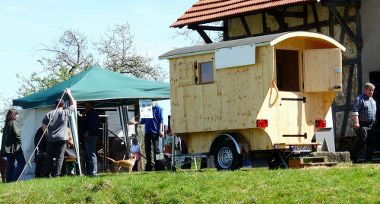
column 114, row 124
column 30, row 121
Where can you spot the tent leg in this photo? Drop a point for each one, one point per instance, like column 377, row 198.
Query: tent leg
column 74, row 131
column 123, row 123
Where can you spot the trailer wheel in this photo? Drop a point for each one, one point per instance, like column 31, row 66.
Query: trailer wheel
column 226, row 157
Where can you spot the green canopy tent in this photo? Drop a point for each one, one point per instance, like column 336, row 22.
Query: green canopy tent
column 103, row 87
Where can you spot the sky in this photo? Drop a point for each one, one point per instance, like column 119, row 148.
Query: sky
column 25, row 24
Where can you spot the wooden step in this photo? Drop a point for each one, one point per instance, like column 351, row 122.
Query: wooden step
column 375, row 159
column 299, row 162
column 320, row 164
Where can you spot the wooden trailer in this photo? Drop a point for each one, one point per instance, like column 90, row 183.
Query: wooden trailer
column 260, row 95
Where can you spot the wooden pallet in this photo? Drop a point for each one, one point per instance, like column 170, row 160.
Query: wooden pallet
column 321, row 164
column 300, row 162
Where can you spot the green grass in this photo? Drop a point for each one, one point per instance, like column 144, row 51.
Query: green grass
column 341, row 184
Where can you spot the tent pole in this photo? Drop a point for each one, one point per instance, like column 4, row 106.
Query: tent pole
column 122, row 122
column 74, row 131
column 128, row 141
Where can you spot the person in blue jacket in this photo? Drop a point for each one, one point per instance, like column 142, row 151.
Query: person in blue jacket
column 154, row 129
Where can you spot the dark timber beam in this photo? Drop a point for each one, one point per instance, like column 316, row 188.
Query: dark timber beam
column 333, row 109
column 341, row 2
column 204, row 36
column 294, row 14
column 331, row 25
column 245, row 25
column 201, row 27
column 351, row 61
column 348, row 101
column 356, row 39
column 305, row 20
column 359, row 51
column 225, row 30
column 264, row 21
column 316, row 18
column 340, row 108
column 324, row 23
column 342, row 34
column 280, row 18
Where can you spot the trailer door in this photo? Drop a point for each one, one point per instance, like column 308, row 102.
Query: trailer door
column 322, row 70
column 292, row 117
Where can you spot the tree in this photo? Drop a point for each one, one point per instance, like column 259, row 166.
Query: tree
column 63, row 60
column 70, row 55
column 120, row 56
column 41, row 81
column 194, row 38
column 5, row 104
column 70, row 52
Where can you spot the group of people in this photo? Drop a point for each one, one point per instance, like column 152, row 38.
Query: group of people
column 58, row 138
column 154, row 129
column 51, row 140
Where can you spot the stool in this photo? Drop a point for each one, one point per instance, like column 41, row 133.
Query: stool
column 70, row 165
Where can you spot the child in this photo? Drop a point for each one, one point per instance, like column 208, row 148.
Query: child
column 135, row 151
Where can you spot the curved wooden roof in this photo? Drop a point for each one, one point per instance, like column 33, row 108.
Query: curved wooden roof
column 319, row 36
column 264, row 40
column 206, row 11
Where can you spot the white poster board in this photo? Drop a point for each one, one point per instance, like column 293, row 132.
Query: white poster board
column 146, row 108
column 235, row 56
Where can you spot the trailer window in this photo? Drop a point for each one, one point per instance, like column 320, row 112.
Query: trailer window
column 287, row 68
column 206, row 72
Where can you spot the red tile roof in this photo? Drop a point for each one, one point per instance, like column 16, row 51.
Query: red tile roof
column 205, row 11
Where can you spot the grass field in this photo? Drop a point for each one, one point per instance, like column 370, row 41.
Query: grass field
column 340, row 184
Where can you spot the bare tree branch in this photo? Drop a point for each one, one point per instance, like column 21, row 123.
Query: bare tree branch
column 120, row 56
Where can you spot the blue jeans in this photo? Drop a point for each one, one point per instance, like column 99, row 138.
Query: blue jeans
column 12, row 172
column 91, row 161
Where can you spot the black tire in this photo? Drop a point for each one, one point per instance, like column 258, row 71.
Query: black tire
column 226, row 157
column 187, row 161
column 203, row 163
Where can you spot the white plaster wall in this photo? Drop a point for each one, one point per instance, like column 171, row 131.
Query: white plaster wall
column 370, row 17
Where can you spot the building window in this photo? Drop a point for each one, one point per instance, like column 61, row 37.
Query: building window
column 206, row 73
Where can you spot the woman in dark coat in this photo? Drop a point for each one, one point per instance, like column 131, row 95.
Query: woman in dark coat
column 11, row 146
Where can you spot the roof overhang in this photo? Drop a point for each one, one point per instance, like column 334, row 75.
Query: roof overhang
column 264, row 40
column 206, row 11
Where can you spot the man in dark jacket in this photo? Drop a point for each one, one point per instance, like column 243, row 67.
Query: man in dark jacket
column 90, row 136
column 364, row 115
column 40, row 141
